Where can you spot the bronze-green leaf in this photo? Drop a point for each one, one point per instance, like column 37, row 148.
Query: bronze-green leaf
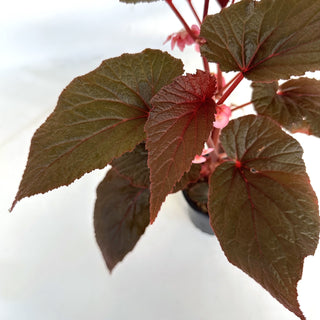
column 263, row 208
column 295, row 104
column 191, row 176
column 134, row 166
column 177, row 128
column 266, row 40
column 121, row 216
column 99, row 116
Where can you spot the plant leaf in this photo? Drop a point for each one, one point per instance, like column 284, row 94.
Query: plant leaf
column 263, row 208
column 266, row 40
column 99, row 116
column 198, row 193
column 295, row 104
column 177, row 128
column 133, row 166
column 191, row 176
column 121, row 216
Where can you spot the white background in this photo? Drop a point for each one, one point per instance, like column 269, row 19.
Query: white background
column 50, row 265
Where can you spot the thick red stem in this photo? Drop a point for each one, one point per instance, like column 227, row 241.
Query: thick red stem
column 205, row 64
column 194, row 11
column 219, row 80
column 205, row 9
column 177, row 13
column 229, row 83
column 234, row 84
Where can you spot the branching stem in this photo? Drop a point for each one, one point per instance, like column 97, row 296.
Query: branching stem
column 177, row 13
column 233, row 85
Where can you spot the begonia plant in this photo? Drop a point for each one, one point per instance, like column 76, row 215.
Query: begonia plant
column 163, row 131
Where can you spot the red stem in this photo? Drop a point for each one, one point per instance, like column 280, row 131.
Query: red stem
column 241, row 106
column 205, row 64
column 229, row 83
column 205, row 9
column 234, row 84
column 177, row 13
column 194, row 11
column 219, row 79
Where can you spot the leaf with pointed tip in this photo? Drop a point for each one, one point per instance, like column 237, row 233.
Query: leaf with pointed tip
column 121, row 216
column 295, row 104
column 99, row 116
column 134, row 166
column 262, row 206
column 177, row 128
column 266, row 40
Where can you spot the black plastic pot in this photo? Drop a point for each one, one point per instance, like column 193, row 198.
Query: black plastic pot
column 199, row 218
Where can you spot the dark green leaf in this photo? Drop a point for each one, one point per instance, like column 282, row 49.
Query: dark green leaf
column 134, row 166
column 177, row 128
column 267, row 40
column 295, row 104
column 99, row 116
column 263, row 208
column 121, row 216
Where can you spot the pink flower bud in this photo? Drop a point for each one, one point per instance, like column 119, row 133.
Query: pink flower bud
column 202, row 158
column 222, row 116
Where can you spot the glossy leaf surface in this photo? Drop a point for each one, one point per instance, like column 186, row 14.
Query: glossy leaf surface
column 121, row 216
column 99, row 116
column 177, row 128
column 295, row 104
column 263, row 208
column 266, row 40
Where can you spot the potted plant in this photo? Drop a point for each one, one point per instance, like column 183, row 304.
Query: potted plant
column 163, row 131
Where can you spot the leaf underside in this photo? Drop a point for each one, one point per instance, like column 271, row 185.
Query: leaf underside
column 266, row 40
column 99, row 116
column 121, row 216
column 177, row 128
column 263, row 208
column 295, row 104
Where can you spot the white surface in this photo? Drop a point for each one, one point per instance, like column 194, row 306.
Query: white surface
column 50, row 265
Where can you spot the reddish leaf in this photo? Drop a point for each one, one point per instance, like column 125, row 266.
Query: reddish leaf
column 263, row 208
column 295, row 104
column 121, row 216
column 266, row 40
column 94, row 117
column 178, row 125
